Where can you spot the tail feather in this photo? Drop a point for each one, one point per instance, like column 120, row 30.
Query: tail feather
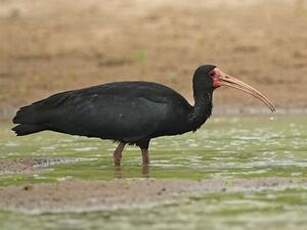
column 29, row 120
column 25, row 129
column 25, row 114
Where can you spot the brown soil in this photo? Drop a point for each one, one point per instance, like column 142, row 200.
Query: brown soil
column 79, row 196
column 50, row 46
column 16, row 166
column 28, row 165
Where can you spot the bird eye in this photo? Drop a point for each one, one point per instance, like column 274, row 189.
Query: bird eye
column 212, row 73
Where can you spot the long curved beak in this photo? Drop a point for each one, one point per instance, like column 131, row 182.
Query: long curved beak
column 229, row 81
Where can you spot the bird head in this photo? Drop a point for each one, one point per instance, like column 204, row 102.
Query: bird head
column 220, row 79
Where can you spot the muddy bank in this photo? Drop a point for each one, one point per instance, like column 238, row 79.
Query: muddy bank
column 52, row 46
column 78, row 196
column 29, row 165
column 16, row 166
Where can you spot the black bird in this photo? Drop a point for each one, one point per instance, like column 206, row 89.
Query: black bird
column 129, row 112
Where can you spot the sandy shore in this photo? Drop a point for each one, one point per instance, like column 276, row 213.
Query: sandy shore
column 30, row 165
column 78, row 196
column 51, row 46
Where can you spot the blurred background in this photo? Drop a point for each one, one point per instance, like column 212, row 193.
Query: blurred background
column 51, row 46
column 254, row 168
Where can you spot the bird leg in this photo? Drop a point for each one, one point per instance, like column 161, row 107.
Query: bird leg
column 144, row 145
column 117, row 154
column 145, row 156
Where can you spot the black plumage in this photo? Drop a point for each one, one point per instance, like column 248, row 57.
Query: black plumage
column 127, row 112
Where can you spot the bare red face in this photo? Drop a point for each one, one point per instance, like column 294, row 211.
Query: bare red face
column 215, row 75
column 222, row 79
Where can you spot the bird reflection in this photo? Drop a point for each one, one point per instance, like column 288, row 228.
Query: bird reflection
column 145, row 171
column 120, row 171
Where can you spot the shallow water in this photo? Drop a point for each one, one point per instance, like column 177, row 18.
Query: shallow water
column 224, row 148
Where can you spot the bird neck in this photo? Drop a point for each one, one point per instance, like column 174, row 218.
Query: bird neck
column 202, row 108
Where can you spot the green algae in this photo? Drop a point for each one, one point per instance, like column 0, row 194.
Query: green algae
column 224, row 147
